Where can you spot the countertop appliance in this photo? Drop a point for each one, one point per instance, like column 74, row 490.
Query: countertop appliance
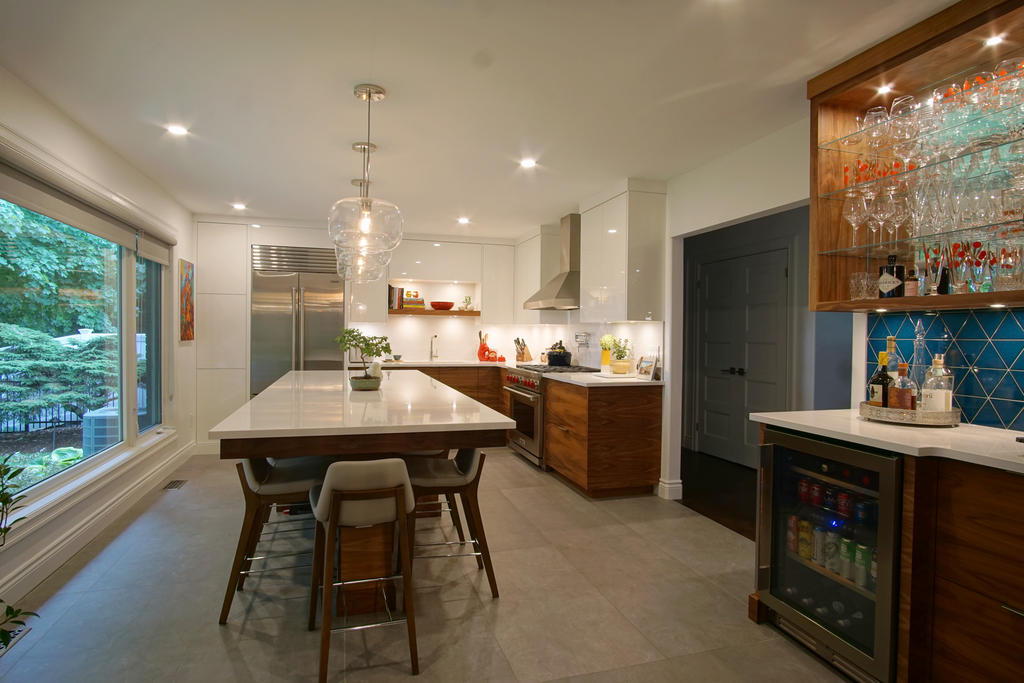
column 524, row 385
column 828, row 549
column 298, row 306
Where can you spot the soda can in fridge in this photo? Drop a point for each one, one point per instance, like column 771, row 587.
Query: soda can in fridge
column 844, row 504
column 793, row 534
column 819, row 545
column 832, row 562
column 847, row 554
column 803, row 490
column 817, row 494
column 806, row 541
column 861, row 565
column 829, row 498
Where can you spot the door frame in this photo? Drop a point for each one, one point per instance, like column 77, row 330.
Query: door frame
column 693, row 260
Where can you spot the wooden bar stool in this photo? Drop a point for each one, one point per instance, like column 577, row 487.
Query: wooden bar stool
column 286, row 482
column 450, row 477
column 360, row 494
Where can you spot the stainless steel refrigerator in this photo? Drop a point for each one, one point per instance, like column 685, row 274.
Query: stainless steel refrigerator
column 298, row 308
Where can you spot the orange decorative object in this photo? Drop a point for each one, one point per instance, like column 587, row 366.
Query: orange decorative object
column 492, row 355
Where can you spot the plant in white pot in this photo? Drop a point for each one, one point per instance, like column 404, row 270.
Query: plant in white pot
column 620, row 356
column 368, row 347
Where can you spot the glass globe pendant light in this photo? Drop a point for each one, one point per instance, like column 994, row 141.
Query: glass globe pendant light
column 361, row 267
column 365, row 225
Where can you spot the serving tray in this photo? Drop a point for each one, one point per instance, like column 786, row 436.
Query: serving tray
column 914, row 418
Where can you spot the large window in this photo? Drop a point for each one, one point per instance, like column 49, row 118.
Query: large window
column 62, row 384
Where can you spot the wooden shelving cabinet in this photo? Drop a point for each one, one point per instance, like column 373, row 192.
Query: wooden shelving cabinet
column 948, row 44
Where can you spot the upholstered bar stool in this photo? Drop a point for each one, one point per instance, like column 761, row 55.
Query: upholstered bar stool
column 360, row 494
column 264, row 486
column 450, row 477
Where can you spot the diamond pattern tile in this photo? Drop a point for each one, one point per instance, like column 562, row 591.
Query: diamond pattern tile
column 980, row 347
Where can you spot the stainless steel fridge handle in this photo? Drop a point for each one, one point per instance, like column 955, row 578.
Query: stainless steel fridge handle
column 293, row 327
column 302, row 328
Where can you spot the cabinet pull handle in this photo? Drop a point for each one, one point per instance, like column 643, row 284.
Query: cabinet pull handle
column 1018, row 612
column 565, row 429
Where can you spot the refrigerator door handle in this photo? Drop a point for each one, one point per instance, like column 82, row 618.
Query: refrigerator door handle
column 302, row 328
column 293, row 326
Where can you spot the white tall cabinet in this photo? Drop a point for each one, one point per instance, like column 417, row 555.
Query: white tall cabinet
column 622, row 238
column 496, row 283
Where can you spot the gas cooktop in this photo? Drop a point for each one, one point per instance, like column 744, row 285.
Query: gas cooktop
column 556, row 368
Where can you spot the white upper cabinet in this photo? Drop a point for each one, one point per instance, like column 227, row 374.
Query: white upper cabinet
column 222, row 261
column 439, row 261
column 536, row 263
column 497, row 283
column 622, row 241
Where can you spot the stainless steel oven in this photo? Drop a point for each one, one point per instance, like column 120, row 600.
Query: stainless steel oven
column 526, row 407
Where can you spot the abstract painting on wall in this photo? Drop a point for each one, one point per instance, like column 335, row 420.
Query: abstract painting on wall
column 186, row 278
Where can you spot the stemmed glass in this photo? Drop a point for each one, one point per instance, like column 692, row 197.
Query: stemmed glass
column 855, row 212
column 936, row 261
column 899, row 211
column 879, row 211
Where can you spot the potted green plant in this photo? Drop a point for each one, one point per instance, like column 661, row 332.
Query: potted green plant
column 607, row 342
column 12, row 619
column 620, row 356
column 368, row 347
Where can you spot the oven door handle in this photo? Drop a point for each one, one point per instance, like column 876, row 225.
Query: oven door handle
column 522, row 394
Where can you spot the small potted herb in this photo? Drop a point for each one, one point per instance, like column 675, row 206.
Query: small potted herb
column 368, row 347
column 620, row 356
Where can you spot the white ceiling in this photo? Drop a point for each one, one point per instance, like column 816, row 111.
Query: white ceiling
column 596, row 90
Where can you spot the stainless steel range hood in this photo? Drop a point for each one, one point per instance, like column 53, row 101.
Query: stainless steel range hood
column 562, row 292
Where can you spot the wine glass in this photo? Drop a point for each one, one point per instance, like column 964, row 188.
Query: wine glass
column 899, row 212
column 879, row 211
column 855, row 212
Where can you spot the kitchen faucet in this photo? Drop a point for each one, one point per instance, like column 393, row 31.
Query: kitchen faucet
column 433, row 351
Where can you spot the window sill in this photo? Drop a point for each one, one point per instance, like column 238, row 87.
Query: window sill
column 82, row 480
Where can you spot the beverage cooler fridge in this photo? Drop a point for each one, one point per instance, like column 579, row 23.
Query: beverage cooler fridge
column 828, row 548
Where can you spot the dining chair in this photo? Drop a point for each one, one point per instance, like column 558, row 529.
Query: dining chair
column 266, row 486
column 359, row 494
column 451, row 477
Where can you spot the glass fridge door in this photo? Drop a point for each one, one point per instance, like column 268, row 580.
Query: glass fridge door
column 825, row 543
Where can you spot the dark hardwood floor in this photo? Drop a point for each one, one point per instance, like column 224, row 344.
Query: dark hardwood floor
column 722, row 490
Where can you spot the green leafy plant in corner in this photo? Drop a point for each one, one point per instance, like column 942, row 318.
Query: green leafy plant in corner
column 11, row 618
column 368, row 347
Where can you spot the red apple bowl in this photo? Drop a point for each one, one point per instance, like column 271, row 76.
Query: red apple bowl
column 442, row 305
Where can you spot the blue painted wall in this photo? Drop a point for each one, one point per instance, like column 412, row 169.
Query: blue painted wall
column 983, row 349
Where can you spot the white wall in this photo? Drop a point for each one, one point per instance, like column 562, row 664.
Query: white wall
column 34, row 131
column 766, row 176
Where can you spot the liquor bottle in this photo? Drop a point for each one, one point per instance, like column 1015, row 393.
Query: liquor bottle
column 892, row 357
column 937, row 390
column 903, row 392
column 890, row 279
column 878, row 385
column 912, row 285
column 920, row 362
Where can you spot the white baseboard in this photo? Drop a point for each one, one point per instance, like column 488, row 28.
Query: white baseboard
column 671, row 489
column 208, row 448
column 55, row 541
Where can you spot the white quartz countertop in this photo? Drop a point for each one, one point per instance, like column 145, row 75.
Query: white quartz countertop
column 596, row 379
column 441, row 364
column 321, row 403
column 968, row 443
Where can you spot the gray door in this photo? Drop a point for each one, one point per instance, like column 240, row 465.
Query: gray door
column 321, row 318
column 743, row 344
column 274, row 316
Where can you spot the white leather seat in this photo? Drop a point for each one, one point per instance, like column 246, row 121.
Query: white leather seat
column 285, row 475
column 361, row 475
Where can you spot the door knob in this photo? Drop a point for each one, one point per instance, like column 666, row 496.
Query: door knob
column 741, row 371
column 729, row 371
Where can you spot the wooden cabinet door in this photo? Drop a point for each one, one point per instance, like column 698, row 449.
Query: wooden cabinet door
column 463, row 380
column 566, row 452
column 979, row 532
column 974, row 637
column 489, row 389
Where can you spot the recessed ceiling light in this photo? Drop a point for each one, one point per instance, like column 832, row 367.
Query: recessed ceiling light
column 419, row 262
column 885, row 90
column 993, row 41
column 437, row 244
column 255, row 225
column 463, row 220
column 238, row 206
column 404, row 273
column 528, row 163
column 612, row 231
column 177, row 129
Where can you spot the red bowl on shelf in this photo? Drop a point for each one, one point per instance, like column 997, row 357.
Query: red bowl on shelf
column 442, row 305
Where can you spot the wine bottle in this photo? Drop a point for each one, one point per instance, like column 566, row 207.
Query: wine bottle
column 878, row 385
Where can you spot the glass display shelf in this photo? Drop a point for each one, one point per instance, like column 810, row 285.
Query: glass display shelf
column 993, row 233
column 1007, row 155
column 929, row 302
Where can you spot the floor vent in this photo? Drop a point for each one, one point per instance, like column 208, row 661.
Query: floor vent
column 174, row 484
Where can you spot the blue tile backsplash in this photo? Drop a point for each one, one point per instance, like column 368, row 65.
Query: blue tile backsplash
column 983, row 349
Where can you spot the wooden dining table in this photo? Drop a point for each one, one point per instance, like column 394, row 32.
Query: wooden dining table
column 315, row 412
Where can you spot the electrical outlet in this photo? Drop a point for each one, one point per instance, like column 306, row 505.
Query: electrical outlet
column 583, row 339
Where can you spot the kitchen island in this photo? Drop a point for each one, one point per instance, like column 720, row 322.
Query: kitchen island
column 957, row 593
